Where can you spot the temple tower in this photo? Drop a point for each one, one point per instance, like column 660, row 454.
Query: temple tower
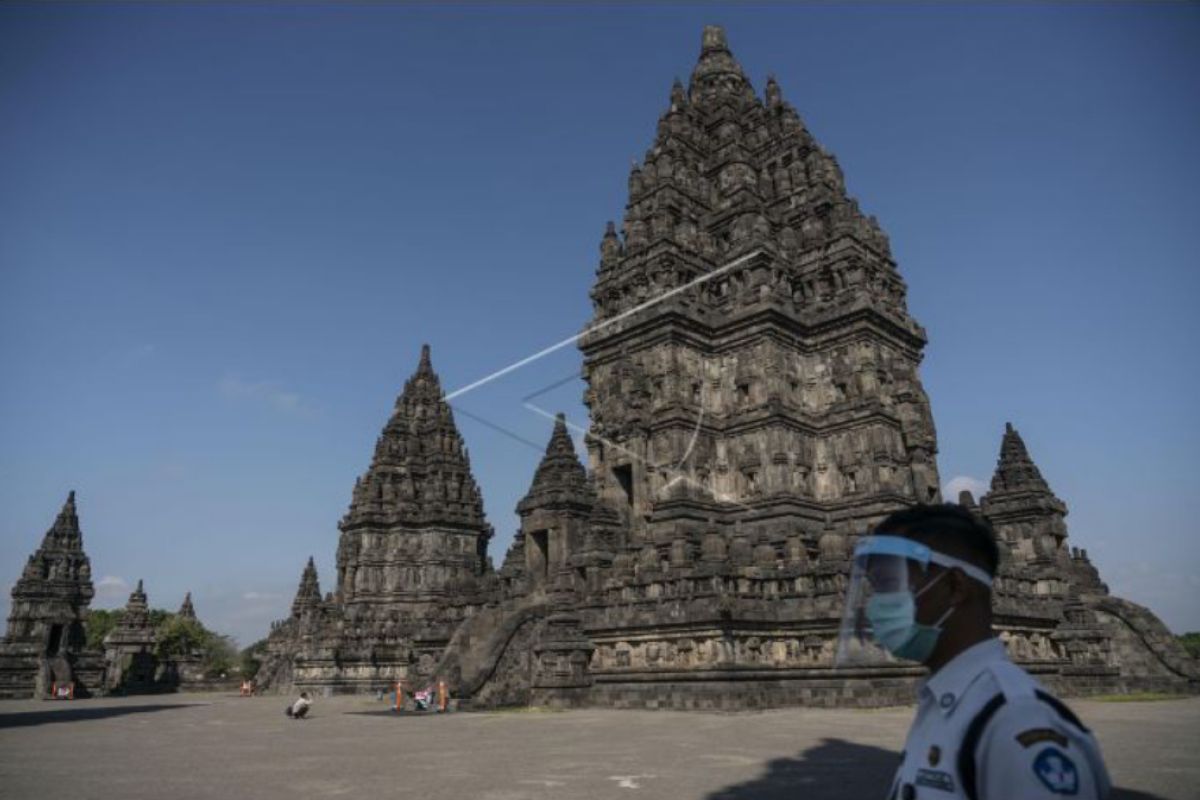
column 1029, row 520
column 129, row 648
column 416, row 530
column 187, row 610
column 554, row 513
column 51, row 597
column 46, row 635
column 308, row 593
column 751, row 362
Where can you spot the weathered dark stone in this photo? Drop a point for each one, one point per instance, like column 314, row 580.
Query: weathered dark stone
column 46, row 642
column 186, row 609
column 412, row 559
column 132, row 665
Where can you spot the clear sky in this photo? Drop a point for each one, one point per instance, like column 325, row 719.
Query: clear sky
column 225, row 232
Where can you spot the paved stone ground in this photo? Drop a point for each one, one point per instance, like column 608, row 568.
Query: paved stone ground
column 218, row 746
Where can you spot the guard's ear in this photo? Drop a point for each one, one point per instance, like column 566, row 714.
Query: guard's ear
column 967, row 589
column 961, row 586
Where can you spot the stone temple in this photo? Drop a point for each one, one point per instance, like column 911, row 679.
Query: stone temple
column 755, row 405
column 46, row 642
column 46, row 645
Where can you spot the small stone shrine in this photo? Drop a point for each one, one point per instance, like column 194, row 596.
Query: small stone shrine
column 46, row 642
column 129, row 649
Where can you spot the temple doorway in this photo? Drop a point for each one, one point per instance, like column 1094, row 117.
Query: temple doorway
column 54, row 640
column 541, row 543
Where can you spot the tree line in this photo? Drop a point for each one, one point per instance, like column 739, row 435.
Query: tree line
column 176, row 637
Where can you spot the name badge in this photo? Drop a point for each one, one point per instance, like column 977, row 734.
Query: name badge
column 935, row 779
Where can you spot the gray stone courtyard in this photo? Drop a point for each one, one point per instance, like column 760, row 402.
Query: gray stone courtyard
column 221, row 746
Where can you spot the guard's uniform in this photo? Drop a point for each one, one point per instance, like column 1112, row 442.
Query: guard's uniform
column 986, row 730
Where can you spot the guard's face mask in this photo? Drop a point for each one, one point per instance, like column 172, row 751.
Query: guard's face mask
column 881, row 605
column 893, row 618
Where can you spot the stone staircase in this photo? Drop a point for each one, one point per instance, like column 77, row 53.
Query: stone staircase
column 503, row 632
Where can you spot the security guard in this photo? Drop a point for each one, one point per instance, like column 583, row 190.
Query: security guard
column 920, row 588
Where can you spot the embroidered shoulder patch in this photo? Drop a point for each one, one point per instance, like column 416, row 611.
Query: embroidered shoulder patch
column 1035, row 735
column 1056, row 772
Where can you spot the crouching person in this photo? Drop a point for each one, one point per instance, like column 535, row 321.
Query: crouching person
column 299, row 709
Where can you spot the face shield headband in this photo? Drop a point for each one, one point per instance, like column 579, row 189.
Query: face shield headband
column 887, row 574
column 885, row 545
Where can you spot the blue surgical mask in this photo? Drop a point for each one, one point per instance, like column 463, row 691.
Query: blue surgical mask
column 893, row 618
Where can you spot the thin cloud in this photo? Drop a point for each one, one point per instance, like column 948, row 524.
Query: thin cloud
column 139, row 353
column 961, row 483
column 264, row 393
column 261, row 596
column 111, row 589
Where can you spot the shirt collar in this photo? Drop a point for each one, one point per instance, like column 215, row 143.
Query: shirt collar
column 946, row 686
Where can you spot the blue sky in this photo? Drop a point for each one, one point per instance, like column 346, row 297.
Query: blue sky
column 225, row 232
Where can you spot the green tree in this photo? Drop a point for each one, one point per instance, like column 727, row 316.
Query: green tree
column 100, row 621
column 182, row 638
column 1191, row 642
column 179, row 637
column 252, row 658
column 220, row 656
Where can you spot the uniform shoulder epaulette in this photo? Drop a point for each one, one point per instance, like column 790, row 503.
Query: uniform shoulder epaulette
column 1012, row 681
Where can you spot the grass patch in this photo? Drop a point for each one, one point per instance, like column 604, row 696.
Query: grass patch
column 1138, row 697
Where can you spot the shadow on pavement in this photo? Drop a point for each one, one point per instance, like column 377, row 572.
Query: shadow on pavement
column 835, row 770
column 30, row 718
column 832, row 770
column 387, row 712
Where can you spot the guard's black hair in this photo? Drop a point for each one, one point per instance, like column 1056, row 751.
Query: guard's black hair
column 948, row 528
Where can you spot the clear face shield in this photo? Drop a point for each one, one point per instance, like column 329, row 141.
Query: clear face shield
column 879, row 620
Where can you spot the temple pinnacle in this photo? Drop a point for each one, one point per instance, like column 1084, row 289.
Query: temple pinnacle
column 713, row 38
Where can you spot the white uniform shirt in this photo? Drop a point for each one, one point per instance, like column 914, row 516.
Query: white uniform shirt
column 1031, row 747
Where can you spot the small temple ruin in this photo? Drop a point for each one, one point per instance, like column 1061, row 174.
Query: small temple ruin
column 745, row 429
column 46, row 641
column 46, row 644
column 129, row 647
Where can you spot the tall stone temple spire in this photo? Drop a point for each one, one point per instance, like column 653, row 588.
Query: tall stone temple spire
column 1028, row 518
column 560, row 474
column 55, row 587
column 553, row 513
column 45, row 637
column 416, row 525
column 308, row 594
column 772, row 369
column 1015, row 470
